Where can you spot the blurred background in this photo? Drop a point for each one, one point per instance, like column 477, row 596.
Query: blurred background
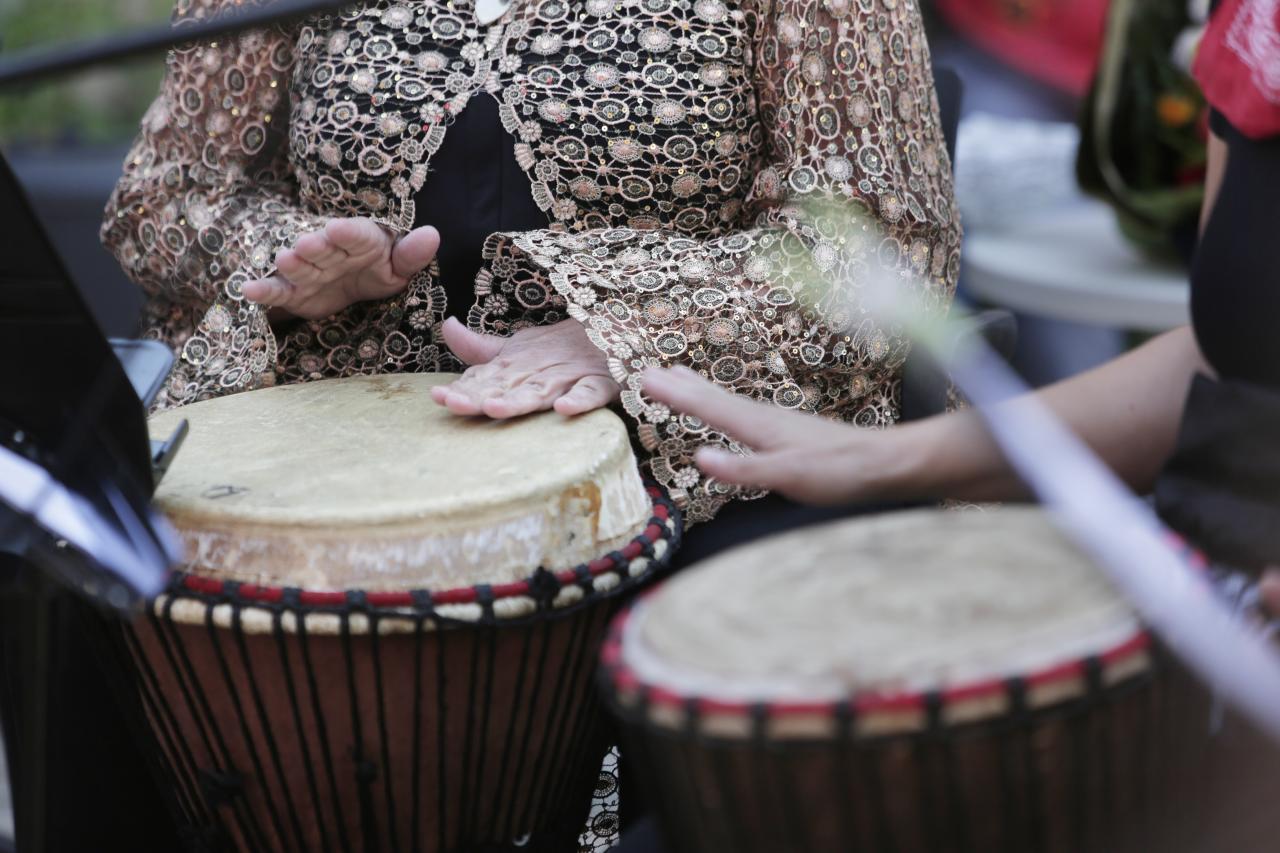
column 67, row 139
column 1079, row 158
column 1085, row 274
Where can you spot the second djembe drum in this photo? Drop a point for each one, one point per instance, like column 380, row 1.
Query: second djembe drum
column 921, row 682
column 385, row 634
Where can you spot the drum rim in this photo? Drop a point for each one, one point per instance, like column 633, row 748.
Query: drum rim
column 1136, row 652
column 664, row 525
column 621, row 680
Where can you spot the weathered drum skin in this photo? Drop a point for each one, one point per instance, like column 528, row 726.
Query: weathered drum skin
column 1102, row 751
column 437, row 697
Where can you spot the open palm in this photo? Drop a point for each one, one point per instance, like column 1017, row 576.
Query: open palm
column 347, row 261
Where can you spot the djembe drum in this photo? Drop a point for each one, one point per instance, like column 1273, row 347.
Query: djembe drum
column 923, row 681
column 385, row 636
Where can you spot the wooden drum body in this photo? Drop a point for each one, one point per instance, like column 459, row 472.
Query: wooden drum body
column 918, row 682
column 385, row 636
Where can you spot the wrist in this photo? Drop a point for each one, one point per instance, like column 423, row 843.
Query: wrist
column 953, row 456
column 905, row 463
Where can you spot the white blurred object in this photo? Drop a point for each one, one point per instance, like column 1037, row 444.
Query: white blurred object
column 1119, row 530
column 1036, row 244
column 1188, row 41
column 1124, row 536
column 1072, row 263
column 1008, row 167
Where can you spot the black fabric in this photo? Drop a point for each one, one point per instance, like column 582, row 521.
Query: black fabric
column 950, row 90
column 643, row 837
column 1235, row 277
column 1218, row 124
column 1221, row 487
column 475, row 187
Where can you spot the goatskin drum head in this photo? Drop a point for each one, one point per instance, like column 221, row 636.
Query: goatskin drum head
column 926, row 600
column 367, row 483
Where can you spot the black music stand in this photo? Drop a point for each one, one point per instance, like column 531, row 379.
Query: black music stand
column 74, row 404
column 71, row 410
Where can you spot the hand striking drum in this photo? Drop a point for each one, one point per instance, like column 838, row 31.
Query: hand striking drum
column 385, row 636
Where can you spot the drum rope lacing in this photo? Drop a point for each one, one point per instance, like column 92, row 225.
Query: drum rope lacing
column 722, row 755
column 205, row 796
column 1066, row 752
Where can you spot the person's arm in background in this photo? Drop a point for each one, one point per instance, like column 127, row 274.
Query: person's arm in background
column 1127, row 411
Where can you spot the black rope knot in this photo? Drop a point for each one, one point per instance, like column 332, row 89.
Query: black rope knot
column 933, row 706
column 422, row 600
column 484, row 597
column 760, row 724
column 1016, row 688
column 230, row 592
column 544, row 586
column 846, row 717
column 1093, row 675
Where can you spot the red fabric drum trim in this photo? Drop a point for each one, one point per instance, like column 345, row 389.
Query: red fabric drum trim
column 623, row 680
column 663, row 701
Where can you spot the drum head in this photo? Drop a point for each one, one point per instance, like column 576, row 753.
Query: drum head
column 365, row 482
column 904, row 604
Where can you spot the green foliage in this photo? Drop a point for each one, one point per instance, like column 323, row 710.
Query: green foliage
column 96, row 106
column 1142, row 145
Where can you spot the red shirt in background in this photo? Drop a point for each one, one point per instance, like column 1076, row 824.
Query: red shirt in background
column 1238, row 65
column 1055, row 41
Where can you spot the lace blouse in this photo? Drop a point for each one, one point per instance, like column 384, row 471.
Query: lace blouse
column 696, row 160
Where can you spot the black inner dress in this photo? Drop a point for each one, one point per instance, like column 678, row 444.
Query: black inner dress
column 1235, row 277
column 475, row 187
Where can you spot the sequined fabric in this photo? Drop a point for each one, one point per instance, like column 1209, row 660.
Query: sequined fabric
column 700, row 161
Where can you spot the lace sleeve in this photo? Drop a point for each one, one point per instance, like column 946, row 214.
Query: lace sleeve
column 205, row 201
column 770, row 310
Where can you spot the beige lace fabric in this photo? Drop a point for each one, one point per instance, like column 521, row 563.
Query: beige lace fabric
column 702, row 162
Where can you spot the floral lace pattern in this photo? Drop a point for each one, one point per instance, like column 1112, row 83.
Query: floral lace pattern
column 700, row 159
column 604, row 821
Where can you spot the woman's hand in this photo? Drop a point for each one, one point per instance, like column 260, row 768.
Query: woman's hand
column 347, row 261
column 540, row 368
column 805, row 457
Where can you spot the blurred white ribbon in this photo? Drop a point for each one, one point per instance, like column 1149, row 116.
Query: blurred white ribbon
column 1097, row 510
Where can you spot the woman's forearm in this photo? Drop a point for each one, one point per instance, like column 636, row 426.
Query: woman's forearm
column 1127, row 411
